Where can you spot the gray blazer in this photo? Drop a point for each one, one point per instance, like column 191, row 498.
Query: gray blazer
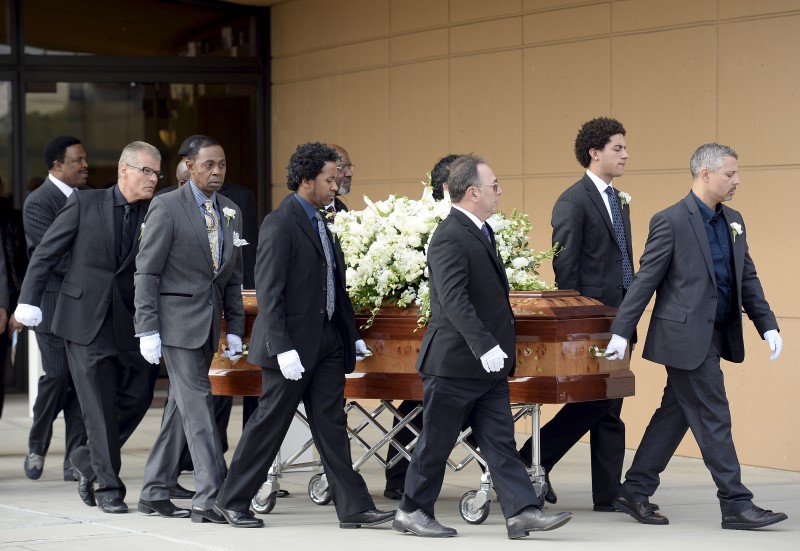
column 177, row 293
column 677, row 266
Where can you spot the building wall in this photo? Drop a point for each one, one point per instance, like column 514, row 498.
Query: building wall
column 401, row 83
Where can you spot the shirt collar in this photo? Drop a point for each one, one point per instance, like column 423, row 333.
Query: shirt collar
column 64, row 188
column 119, row 199
column 601, row 185
column 705, row 211
column 311, row 211
column 471, row 216
column 200, row 197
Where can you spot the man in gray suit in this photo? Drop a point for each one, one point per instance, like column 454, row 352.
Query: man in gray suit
column 68, row 168
column 94, row 315
column 188, row 272
column 697, row 261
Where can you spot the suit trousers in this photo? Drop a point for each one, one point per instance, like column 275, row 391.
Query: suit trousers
column 693, row 399
column 602, row 420
column 188, row 417
column 449, row 402
column 321, row 389
column 115, row 388
column 56, row 393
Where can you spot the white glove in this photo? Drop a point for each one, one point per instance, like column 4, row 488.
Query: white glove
column 493, row 360
column 234, row 351
column 28, row 315
column 361, row 350
column 775, row 343
column 150, row 347
column 616, row 348
column 290, row 364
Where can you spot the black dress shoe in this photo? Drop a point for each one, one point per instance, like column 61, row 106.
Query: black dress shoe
column 163, row 507
column 237, row 518
column 533, row 519
column 640, row 509
column 550, row 495
column 420, row 523
column 393, row 493
column 370, row 517
column 207, row 515
column 113, row 505
column 179, row 492
column 34, row 465
column 85, row 487
column 752, row 518
column 598, row 508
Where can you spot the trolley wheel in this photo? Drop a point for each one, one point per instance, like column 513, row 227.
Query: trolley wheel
column 318, row 491
column 264, row 506
column 467, row 508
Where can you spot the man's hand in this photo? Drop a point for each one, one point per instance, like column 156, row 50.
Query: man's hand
column 150, row 347
column 291, row 367
column 775, row 343
column 493, row 360
column 616, row 348
column 28, row 315
column 14, row 324
column 362, row 351
column 234, row 351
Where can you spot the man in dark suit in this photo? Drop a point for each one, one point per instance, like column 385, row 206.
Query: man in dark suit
column 464, row 364
column 66, row 162
column 591, row 221
column 305, row 339
column 344, row 179
column 94, row 315
column 698, row 263
column 188, row 272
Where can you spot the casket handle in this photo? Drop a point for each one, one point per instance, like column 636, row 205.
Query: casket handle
column 597, row 352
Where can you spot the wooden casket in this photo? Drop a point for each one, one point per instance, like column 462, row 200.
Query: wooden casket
column 558, row 334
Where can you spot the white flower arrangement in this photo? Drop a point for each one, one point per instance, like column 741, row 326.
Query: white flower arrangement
column 736, row 229
column 624, row 198
column 385, row 248
column 229, row 214
column 237, row 242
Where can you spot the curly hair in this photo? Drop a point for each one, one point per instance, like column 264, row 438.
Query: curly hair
column 307, row 162
column 595, row 134
column 440, row 174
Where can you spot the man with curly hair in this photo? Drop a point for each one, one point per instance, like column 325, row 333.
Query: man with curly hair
column 591, row 221
column 305, row 340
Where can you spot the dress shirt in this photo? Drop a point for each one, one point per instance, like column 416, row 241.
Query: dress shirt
column 66, row 189
column 311, row 212
column 601, row 187
column 201, row 199
column 719, row 239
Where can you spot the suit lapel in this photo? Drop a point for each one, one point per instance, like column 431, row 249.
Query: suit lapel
column 141, row 210
column 305, row 224
column 597, row 200
column 227, row 231
column 477, row 234
column 696, row 221
column 738, row 246
column 106, row 207
column 196, row 222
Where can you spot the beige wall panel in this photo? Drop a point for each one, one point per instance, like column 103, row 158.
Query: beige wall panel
column 567, row 24
column 318, row 110
column 284, row 127
column 539, row 196
column 634, row 15
column 565, row 85
column 746, row 8
column 513, row 193
column 485, row 108
column 361, row 55
column 419, row 125
column 759, row 77
column 487, row 35
column 284, row 69
column 660, row 93
column 421, row 45
column 468, row 10
column 279, row 190
column 546, row 5
column 409, row 15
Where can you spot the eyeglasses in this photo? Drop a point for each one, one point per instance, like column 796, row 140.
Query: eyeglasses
column 343, row 168
column 493, row 186
column 147, row 171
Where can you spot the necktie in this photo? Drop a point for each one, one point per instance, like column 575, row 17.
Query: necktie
column 619, row 233
column 331, row 214
column 126, row 242
column 212, row 227
column 329, row 289
column 486, row 233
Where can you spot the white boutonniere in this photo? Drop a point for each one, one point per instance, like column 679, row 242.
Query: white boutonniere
column 141, row 231
column 736, row 229
column 229, row 214
column 624, row 198
column 239, row 242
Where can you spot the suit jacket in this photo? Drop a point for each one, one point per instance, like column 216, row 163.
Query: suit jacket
column 591, row 262
column 12, row 233
column 177, row 293
column 85, row 233
column 339, row 205
column 291, row 279
column 4, row 302
column 677, row 266
column 470, row 310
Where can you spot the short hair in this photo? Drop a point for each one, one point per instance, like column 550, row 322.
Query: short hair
column 595, row 134
column 439, row 175
column 130, row 153
column 463, row 174
column 183, row 151
column 307, row 162
column 198, row 143
column 710, row 156
column 56, row 148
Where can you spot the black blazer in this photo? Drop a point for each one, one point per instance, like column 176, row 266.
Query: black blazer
column 470, row 310
column 290, row 287
column 591, row 262
column 84, row 230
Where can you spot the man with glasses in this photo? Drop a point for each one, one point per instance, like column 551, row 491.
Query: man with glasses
column 344, row 178
column 99, row 230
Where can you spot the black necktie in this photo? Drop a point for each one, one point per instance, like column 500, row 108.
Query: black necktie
column 619, row 233
column 127, row 234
